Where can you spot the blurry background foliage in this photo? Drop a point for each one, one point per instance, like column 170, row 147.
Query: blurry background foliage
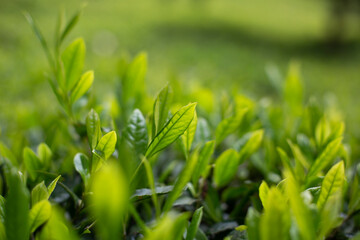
column 222, row 45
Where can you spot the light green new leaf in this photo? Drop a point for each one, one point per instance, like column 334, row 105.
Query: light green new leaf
column 194, row 225
column 229, row 125
column 73, row 59
column 93, row 128
column 182, row 180
column 39, row 193
column 171, row 226
column 293, row 90
column 300, row 211
column 285, row 161
column 174, row 128
column 263, row 193
column 39, row 214
column 251, row 146
column 82, row 86
column 106, row 145
column 298, row 155
column 16, row 208
column 332, row 184
column 44, row 153
column 2, row 231
column 322, row 131
column 32, row 162
column 52, row 185
column 203, row 161
column 325, row 158
column 82, row 166
column 136, row 132
column 161, row 109
column 275, row 222
column 133, row 81
column 188, row 136
column 226, row 166
column 2, row 209
column 109, row 200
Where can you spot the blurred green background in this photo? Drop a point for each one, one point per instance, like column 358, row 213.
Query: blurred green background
column 219, row 44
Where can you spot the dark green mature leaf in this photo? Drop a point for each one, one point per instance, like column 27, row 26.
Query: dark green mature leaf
column 161, row 109
column 2, row 209
column 146, row 193
column 93, row 128
column 82, row 166
column 203, row 161
column 136, row 132
column 173, row 129
column 82, row 86
column 182, row 180
column 326, row 157
column 73, row 59
column 32, row 162
column 332, row 184
column 226, row 166
column 229, row 125
column 194, row 225
column 253, row 224
column 16, row 208
column 39, row 214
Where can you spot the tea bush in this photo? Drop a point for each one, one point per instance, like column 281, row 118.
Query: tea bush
column 187, row 165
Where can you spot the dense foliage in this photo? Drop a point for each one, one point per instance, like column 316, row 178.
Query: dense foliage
column 135, row 167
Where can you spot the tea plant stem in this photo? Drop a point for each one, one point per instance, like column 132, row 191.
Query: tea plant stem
column 138, row 220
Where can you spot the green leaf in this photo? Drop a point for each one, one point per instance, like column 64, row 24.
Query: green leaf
column 171, row 226
column 32, row 162
column 2, row 231
column 133, row 81
column 82, row 86
column 298, row 155
column 293, row 90
column 146, row 193
column 39, row 214
column 93, row 128
column 16, row 208
column 251, row 146
column 263, row 193
column 194, row 225
column 52, row 185
column 6, row 153
column 109, row 200
column 322, row 132
column 161, row 109
column 275, row 222
column 253, row 224
column 332, row 184
column 182, row 180
column 325, row 158
column 226, row 166
column 354, row 202
column 73, row 59
column 82, row 166
column 203, row 161
column 136, row 132
column 300, row 211
column 151, row 181
column 2, row 209
column 45, row 154
column 174, row 128
column 188, row 136
column 70, row 25
column 285, row 161
column 229, row 125
column 106, row 145
column 39, row 193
